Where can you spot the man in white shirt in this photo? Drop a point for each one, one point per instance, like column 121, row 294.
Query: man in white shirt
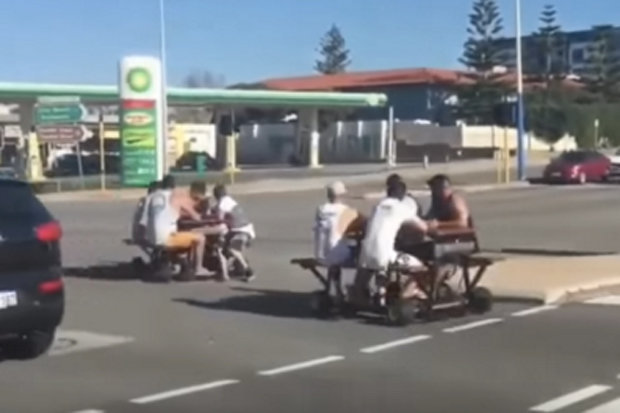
column 241, row 229
column 378, row 250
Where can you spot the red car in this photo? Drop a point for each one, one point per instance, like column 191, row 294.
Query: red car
column 578, row 166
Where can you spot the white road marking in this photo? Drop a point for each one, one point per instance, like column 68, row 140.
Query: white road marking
column 607, row 300
column 610, row 407
column 183, row 391
column 299, row 366
column 475, row 324
column 90, row 411
column 534, row 310
column 570, row 398
column 68, row 341
column 395, row 343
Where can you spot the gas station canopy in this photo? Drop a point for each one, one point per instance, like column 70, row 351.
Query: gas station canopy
column 16, row 92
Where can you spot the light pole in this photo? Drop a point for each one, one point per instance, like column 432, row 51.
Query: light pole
column 521, row 156
column 164, row 82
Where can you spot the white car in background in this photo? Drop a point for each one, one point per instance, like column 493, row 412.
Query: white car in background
column 614, row 171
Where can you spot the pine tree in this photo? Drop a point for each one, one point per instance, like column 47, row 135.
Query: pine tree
column 549, row 43
column 481, row 56
column 334, row 53
column 603, row 79
column 545, row 113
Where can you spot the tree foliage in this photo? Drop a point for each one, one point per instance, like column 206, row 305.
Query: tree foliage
column 481, row 56
column 549, row 42
column 603, row 80
column 334, row 55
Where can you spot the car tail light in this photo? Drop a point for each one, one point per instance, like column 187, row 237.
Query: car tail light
column 51, row 287
column 49, row 232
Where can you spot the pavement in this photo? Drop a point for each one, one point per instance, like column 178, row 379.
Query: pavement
column 128, row 346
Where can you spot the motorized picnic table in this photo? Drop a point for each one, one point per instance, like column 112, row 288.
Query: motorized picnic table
column 457, row 247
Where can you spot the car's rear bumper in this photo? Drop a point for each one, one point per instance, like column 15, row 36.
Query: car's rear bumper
column 33, row 310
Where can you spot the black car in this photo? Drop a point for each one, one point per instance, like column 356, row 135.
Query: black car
column 31, row 285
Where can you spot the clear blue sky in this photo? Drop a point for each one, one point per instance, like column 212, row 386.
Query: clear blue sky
column 80, row 41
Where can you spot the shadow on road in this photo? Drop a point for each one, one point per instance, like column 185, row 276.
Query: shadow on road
column 120, row 271
column 273, row 303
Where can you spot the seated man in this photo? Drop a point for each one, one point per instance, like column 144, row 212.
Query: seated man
column 330, row 225
column 198, row 196
column 408, row 199
column 378, row 250
column 163, row 211
column 241, row 230
column 138, row 227
column 448, row 209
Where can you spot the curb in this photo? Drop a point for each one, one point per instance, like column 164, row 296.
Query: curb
column 466, row 189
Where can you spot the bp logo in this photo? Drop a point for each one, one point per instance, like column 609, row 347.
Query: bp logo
column 139, row 79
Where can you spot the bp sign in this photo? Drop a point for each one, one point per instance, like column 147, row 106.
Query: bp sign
column 139, row 79
column 141, row 121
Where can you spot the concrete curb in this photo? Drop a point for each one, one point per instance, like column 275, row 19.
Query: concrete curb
column 466, row 189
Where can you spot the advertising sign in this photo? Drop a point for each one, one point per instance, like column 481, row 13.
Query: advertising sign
column 140, row 121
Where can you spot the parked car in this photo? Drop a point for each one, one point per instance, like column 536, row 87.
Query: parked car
column 31, row 285
column 578, row 166
column 188, row 162
column 614, row 170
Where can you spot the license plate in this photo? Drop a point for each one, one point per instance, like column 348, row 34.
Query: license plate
column 8, row 299
column 556, row 174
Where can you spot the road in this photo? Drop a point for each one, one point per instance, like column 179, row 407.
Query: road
column 128, row 346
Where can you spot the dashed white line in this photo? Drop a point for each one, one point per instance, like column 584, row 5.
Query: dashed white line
column 570, row 398
column 609, row 407
column 182, row 391
column 90, row 411
column 299, row 366
column 475, row 324
column 395, row 343
column 534, row 310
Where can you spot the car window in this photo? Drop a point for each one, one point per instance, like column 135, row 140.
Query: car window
column 18, row 200
column 574, row 157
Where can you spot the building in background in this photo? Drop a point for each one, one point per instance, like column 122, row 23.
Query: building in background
column 573, row 53
column 414, row 93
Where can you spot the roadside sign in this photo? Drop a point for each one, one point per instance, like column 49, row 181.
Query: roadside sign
column 64, row 113
column 63, row 134
column 58, row 100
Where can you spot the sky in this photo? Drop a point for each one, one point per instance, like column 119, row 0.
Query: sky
column 81, row 41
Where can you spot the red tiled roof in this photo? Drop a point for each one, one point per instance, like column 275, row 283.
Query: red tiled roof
column 353, row 80
column 357, row 80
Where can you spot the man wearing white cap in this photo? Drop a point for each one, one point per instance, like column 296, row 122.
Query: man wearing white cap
column 331, row 222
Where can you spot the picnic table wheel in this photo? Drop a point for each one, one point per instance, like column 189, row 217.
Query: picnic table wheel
column 480, row 300
column 402, row 311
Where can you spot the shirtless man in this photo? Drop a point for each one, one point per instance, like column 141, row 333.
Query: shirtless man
column 448, row 209
column 164, row 209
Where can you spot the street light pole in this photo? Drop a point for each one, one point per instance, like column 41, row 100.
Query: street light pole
column 521, row 156
column 164, row 82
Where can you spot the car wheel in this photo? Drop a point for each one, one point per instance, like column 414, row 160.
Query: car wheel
column 31, row 344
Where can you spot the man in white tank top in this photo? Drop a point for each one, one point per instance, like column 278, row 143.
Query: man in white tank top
column 330, row 246
column 164, row 209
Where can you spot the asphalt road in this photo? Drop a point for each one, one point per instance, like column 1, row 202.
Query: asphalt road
column 127, row 346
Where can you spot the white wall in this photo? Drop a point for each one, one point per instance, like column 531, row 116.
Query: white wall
column 366, row 141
